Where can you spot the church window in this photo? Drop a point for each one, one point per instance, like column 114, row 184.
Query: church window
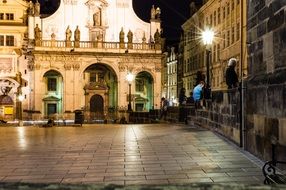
column 9, row 16
column 9, row 40
column 92, row 77
column 139, row 85
column 52, row 84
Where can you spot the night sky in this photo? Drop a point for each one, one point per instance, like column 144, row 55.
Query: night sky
column 174, row 14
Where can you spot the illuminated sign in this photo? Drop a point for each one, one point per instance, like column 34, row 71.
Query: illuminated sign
column 8, row 110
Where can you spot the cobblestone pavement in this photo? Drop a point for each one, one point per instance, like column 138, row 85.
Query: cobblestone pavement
column 122, row 154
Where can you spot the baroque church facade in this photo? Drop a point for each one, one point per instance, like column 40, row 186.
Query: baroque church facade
column 78, row 59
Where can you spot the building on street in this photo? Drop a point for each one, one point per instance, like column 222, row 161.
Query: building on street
column 14, row 75
column 80, row 61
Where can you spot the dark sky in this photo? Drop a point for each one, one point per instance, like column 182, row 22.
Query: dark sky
column 174, row 14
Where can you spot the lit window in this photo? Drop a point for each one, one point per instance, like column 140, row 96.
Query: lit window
column 9, row 16
column 9, row 40
column 52, row 84
column 1, row 40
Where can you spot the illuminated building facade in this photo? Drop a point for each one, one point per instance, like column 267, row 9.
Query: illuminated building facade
column 14, row 75
column 228, row 22
column 78, row 58
column 172, row 77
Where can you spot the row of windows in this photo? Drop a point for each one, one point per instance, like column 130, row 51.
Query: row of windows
column 231, row 36
column 6, row 16
column 215, row 18
column 7, row 40
column 194, row 62
column 188, row 85
column 172, row 69
column 172, row 81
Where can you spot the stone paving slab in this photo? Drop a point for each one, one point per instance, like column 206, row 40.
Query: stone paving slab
column 123, row 155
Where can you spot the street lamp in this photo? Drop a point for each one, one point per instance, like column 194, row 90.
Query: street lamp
column 129, row 78
column 20, row 98
column 207, row 37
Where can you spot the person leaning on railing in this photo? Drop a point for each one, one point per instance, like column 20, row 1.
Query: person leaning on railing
column 198, row 94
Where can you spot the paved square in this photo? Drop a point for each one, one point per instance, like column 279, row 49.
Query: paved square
column 122, row 154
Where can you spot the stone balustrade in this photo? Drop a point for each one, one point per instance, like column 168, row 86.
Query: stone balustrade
column 97, row 45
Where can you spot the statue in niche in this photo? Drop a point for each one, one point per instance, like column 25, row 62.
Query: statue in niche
column 157, row 37
column 121, row 36
column 38, row 33
column 153, row 12
column 97, row 18
column 68, row 34
column 77, row 34
column 158, row 13
column 37, row 8
column 31, row 8
column 130, row 36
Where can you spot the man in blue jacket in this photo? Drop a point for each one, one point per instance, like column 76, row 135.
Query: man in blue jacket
column 198, row 94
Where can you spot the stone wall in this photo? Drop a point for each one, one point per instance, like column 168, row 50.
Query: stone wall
column 221, row 114
column 266, row 89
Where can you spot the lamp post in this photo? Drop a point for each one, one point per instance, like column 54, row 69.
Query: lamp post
column 207, row 37
column 129, row 78
column 20, row 98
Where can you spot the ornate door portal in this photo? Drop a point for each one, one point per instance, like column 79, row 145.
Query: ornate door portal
column 97, row 107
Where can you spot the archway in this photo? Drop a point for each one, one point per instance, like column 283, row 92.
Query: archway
column 100, row 82
column 144, row 87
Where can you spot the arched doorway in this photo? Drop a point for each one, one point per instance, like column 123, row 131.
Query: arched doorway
column 101, row 91
column 144, row 87
column 97, row 105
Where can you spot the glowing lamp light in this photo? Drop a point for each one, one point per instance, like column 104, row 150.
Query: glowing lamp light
column 21, row 98
column 129, row 77
column 207, row 36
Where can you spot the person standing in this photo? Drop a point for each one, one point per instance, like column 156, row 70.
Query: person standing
column 198, row 94
column 230, row 75
column 164, row 108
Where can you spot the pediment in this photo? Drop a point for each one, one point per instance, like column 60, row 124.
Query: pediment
column 96, row 3
column 51, row 98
